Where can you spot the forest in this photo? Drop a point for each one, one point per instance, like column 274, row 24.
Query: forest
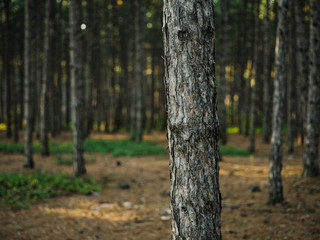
column 145, row 119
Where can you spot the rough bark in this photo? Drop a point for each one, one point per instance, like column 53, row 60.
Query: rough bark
column 254, row 90
column 311, row 151
column 302, row 63
column 44, row 103
column 223, row 62
column 291, row 85
column 275, row 161
column 267, row 79
column 28, row 89
column 77, row 84
column 189, row 55
column 137, row 129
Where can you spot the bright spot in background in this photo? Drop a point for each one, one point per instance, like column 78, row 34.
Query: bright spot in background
column 83, row 26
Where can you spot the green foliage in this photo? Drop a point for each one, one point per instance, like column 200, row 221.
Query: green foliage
column 20, row 190
column 69, row 160
column 232, row 151
column 115, row 147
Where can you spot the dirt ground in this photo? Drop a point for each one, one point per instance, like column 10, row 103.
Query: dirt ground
column 142, row 212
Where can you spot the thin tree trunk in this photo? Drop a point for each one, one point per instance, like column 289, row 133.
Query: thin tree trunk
column 223, row 82
column 47, row 77
column 8, row 65
column 28, row 89
column 291, row 85
column 311, row 151
column 267, row 80
column 137, row 128
column 77, row 85
column 302, row 64
column 254, row 90
column 189, row 56
column 275, row 162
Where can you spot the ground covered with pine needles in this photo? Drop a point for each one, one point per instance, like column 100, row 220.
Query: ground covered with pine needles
column 128, row 197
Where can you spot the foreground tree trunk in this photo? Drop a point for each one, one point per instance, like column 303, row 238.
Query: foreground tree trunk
column 189, row 55
column 44, row 100
column 275, row 162
column 77, row 85
column 28, row 89
column 311, row 151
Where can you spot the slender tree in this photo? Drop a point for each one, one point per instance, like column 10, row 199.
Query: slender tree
column 311, row 152
column 275, row 162
column 189, row 55
column 222, row 81
column 47, row 76
column 137, row 129
column 28, row 88
column 254, row 90
column 266, row 74
column 77, row 85
column 302, row 63
column 291, row 85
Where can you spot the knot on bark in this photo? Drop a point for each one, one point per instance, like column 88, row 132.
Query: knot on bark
column 183, row 35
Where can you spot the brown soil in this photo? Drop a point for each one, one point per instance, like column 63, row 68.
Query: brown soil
column 143, row 211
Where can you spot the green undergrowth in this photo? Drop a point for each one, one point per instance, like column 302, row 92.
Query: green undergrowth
column 232, row 151
column 21, row 190
column 115, row 147
column 69, row 160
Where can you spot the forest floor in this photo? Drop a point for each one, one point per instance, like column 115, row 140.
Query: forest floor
column 142, row 212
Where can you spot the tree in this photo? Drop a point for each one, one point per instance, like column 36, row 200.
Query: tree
column 47, row 76
column 267, row 79
column 222, row 80
column 189, row 58
column 28, row 89
column 254, row 90
column 275, row 162
column 77, row 85
column 311, row 151
column 302, row 63
column 139, row 52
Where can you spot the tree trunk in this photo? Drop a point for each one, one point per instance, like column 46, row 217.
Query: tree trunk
column 267, row 80
column 77, row 84
column 223, row 82
column 254, row 90
column 275, row 162
column 138, row 120
column 28, row 89
column 189, row 56
column 47, row 77
column 302, row 63
column 311, row 151
column 291, row 85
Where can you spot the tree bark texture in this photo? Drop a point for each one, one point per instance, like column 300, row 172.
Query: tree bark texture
column 275, row 162
column 28, row 89
column 311, row 152
column 47, row 77
column 189, row 55
column 254, row 90
column 302, row 63
column 137, row 129
column 222, row 81
column 77, row 85
column 267, row 79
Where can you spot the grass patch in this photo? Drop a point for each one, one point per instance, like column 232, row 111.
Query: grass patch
column 69, row 160
column 232, row 151
column 115, row 147
column 20, row 190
